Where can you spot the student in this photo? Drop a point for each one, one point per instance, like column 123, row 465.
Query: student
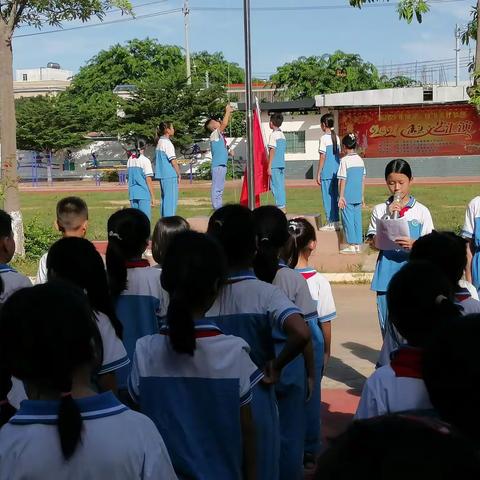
column 163, row 233
column 272, row 232
column 76, row 260
column 135, row 286
column 193, row 364
column 451, row 369
column 140, row 185
column 167, row 170
column 327, row 171
column 471, row 231
column 399, row 178
column 219, row 149
column 262, row 315
column 72, row 221
column 66, row 430
column 447, row 251
column 399, row 386
column 351, row 185
column 277, row 147
column 11, row 279
column 395, row 447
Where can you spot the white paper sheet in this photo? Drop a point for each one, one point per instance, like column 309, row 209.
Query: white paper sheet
column 388, row 230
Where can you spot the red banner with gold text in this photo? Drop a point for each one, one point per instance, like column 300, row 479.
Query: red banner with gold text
column 414, row 131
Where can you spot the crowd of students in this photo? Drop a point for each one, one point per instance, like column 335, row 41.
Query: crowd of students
column 208, row 364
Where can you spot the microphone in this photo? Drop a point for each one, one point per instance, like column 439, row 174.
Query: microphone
column 397, row 198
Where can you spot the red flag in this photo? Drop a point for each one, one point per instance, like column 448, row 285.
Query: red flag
column 260, row 161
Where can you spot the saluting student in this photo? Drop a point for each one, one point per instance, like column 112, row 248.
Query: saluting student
column 167, row 170
column 191, row 379
column 65, row 430
column 351, row 187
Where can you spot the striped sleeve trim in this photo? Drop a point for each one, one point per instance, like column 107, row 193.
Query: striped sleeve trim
column 286, row 313
column 271, row 146
column 327, row 318
column 466, row 234
column 111, row 367
column 171, row 158
column 255, row 377
column 131, row 391
column 311, row 316
column 246, row 399
column 341, row 177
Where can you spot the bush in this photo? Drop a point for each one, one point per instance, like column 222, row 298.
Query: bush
column 204, row 171
column 38, row 239
column 110, row 176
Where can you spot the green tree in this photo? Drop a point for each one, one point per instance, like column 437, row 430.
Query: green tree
column 399, row 81
column 220, row 71
column 36, row 13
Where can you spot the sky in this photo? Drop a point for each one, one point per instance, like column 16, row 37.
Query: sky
column 278, row 36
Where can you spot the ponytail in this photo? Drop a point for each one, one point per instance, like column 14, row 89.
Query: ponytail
column 116, row 267
column 301, row 234
column 265, row 263
column 181, row 326
column 69, row 424
column 329, row 121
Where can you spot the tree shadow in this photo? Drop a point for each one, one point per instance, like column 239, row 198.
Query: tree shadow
column 341, row 372
column 363, row 351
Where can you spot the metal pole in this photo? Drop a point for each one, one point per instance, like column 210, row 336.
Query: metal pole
column 249, row 105
column 457, row 55
column 186, row 15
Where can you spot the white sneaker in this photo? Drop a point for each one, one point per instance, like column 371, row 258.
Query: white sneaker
column 350, row 250
column 329, row 227
column 358, row 249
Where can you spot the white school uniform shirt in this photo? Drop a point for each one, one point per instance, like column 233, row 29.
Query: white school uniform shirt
column 396, row 387
column 195, row 400
column 352, row 170
column 470, row 287
column 116, row 443
column 321, row 292
column 471, row 227
column 42, row 270
column 469, row 304
column 12, row 281
column 138, row 170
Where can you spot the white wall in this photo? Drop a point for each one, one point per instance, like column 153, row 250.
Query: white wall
column 39, row 74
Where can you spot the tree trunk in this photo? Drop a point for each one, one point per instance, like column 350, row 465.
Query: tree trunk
column 9, row 180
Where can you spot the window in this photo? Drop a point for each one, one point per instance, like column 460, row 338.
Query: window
column 295, row 141
column 25, row 77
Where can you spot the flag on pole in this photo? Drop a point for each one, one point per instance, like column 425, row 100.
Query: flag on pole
column 260, row 161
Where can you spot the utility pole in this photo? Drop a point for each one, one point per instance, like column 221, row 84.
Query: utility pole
column 186, row 16
column 457, row 55
column 249, row 104
column 207, row 79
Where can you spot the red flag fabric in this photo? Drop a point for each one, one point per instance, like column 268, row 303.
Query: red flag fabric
column 260, row 161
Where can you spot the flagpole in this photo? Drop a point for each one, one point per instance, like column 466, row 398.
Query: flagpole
column 249, row 105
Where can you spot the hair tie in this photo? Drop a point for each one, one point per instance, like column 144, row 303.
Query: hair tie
column 219, row 223
column 294, row 227
column 264, row 239
column 352, row 136
column 65, row 394
column 440, row 299
column 332, row 128
column 114, row 235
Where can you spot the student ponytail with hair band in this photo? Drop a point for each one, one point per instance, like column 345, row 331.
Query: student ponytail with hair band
column 327, row 171
column 50, row 341
column 167, row 170
column 192, row 380
column 135, row 285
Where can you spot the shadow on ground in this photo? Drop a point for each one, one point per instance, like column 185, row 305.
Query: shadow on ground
column 363, row 351
column 339, row 371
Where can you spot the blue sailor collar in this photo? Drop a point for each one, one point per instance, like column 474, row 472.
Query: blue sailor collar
column 203, row 328
column 46, row 411
column 4, row 267
column 242, row 275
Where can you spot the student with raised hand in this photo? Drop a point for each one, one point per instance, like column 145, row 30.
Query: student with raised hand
column 11, row 279
column 257, row 312
column 76, row 260
column 135, row 286
column 166, row 229
column 297, row 381
column 167, row 170
column 328, row 164
column 72, row 221
column 420, row 298
column 66, row 431
column 192, row 380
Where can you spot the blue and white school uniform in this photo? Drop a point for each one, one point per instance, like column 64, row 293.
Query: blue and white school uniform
column 328, row 177
column 352, row 170
column 390, row 262
column 291, row 388
column 218, row 147
column 116, row 443
column 471, row 230
column 195, row 401
column 278, row 143
column 138, row 170
column 464, row 299
column 12, row 281
column 255, row 311
column 164, row 171
column 321, row 293
column 138, row 308
column 396, row 387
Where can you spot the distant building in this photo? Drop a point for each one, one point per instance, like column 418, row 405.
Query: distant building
column 264, row 91
column 49, row 80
